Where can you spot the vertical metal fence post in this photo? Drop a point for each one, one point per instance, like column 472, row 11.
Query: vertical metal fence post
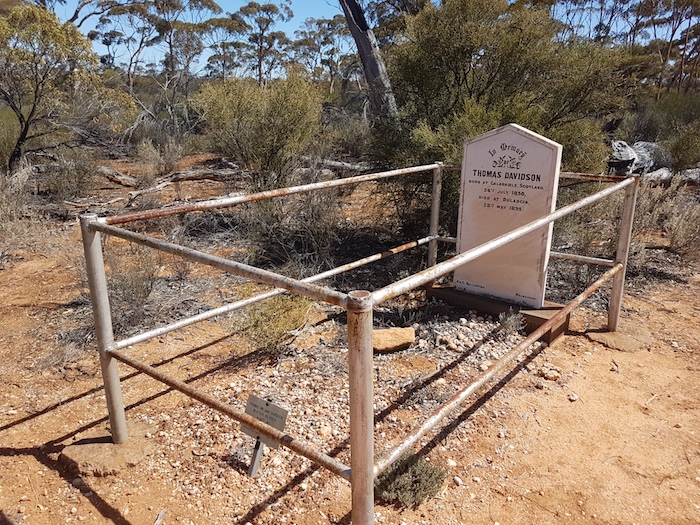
column 435, row 214
column 97, row 281
column 361, row 407
column 623, row 250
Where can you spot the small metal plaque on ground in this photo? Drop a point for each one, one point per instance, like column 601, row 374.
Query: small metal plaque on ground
column 266, row 412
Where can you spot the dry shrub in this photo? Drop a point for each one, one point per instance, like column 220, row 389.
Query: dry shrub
column 673, row 209
column 9, row 131
column 70, row 177
column 172, row 152
column 158, row 161
column 131, row 275
column 296, row 234
column 268, row 324
column 409, row 481
column 13, row 198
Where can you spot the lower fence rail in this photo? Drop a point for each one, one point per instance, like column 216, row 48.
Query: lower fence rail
column 489, row 374
column 308, row 451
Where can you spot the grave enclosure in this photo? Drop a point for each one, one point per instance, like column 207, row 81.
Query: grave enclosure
column 524, row 238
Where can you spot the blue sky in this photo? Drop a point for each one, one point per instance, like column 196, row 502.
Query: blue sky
column 302, row 9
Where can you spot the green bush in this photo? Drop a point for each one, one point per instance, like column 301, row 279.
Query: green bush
column 265, row 127
column 684, row 147
column 409, row 481
column 268, row 324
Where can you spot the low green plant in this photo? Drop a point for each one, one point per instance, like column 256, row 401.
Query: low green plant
column 511, row 322
column 267, row 325
column 409, row 481
column 684, row 147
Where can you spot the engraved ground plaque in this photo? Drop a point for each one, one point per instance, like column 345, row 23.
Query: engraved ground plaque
column 509, row 178
column 266, row 412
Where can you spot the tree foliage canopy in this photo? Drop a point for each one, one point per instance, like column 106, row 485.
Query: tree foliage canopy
column 40, row 58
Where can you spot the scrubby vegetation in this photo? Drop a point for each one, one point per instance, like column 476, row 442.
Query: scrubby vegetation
column 271, row 104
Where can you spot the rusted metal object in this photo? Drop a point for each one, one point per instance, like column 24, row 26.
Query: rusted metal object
column 97, row 282
column 435, row 214
column 361, row 406
column 430, row 274
column 622, row 254
column 489, row 374
column 308, row 451
column 145, row 336
column 312, row 291
column 227, row 202
column 593, row 177
column 581, row 259
column 359, row 305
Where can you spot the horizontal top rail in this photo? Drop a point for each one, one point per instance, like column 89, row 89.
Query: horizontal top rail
column 306, row 289
column 226, row 202
column 595, row 177
column 445, row 267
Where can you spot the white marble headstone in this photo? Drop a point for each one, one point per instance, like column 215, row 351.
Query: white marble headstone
column 509, row 178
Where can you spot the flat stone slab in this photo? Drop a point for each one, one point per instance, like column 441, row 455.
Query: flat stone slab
column 94, row 454
column 534, row 318
column 392, row 339
column 630, row 337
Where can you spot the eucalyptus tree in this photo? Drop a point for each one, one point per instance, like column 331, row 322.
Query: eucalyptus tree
column 320, row 46
column 261, row 49
column 472, row 65
column 39, row 59
column 379, row 90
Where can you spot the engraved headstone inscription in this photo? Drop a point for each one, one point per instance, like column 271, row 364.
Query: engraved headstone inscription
column 509, row 178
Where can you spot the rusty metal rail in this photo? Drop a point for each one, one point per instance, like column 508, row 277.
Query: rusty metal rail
column 359, row 306
column 310, row 290
column 445, row 267
column 307, row 450
column 489, row 374
column 145, row 336
column 227, row 202
column 581, row 259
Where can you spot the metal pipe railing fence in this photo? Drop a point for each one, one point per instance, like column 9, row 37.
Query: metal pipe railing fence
column 359, row 306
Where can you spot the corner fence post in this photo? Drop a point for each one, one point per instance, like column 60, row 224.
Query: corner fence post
column 359, row 307
column 435, row 214
column 92, row 244
column 622, row 254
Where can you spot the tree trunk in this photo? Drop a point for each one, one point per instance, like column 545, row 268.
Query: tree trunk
column 381, row 96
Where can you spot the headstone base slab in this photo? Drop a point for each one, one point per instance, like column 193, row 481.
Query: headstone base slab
column 534, row 318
